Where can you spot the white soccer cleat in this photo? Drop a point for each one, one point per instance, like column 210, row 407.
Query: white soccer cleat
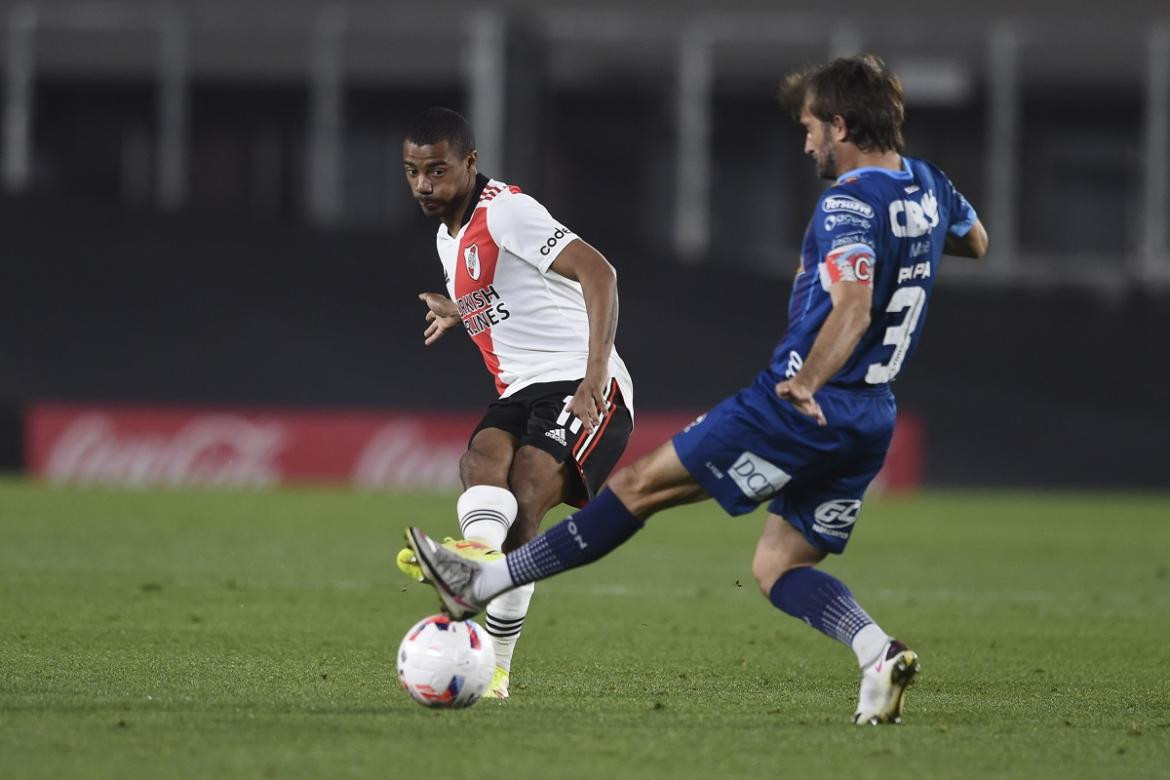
column 449, row 572
column 883, row 685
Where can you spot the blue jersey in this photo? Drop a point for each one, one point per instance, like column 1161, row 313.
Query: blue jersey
column 873, row 227
column 879, row 227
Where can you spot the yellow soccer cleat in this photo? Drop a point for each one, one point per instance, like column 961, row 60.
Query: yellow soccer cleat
column 499, row 685
column 408, row 565
column 474, row 549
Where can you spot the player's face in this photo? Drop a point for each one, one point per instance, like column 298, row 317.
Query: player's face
column 438, row 178
column 818, row 143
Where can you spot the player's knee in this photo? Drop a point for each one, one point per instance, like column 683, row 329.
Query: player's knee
column 780, row 552
column 767, row 568
column 635, row 488
column 772, row 559
column 631, row 482
column 469, row 467
column 476, row 468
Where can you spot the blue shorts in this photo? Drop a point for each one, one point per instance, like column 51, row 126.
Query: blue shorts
column 753, row 447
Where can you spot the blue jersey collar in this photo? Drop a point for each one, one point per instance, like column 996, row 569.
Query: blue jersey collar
column 902, row 174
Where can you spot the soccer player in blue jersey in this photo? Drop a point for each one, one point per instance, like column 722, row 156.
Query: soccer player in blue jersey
column 811, row 432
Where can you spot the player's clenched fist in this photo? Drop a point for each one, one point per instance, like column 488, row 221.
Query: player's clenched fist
column 442, row 315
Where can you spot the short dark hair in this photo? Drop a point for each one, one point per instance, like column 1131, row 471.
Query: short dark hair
column 442, row 124
column 861, row 89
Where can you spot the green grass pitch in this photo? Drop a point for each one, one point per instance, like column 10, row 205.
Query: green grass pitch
column 252, row 634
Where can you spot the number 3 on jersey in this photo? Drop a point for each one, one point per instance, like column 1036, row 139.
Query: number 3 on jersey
column 899, row 335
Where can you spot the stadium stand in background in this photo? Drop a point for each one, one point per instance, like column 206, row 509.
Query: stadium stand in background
column 203, row 203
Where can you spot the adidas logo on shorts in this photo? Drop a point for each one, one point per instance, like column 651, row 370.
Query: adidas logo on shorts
column 557, row 435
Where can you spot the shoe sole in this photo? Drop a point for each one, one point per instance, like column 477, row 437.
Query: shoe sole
column 452, row 604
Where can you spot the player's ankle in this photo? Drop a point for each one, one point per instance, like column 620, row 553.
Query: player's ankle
column 493, row 580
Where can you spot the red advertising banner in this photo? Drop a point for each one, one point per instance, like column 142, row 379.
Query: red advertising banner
column 162, row 445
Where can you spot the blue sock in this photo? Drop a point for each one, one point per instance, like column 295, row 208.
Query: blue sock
column 581, row 538
column 822, row 601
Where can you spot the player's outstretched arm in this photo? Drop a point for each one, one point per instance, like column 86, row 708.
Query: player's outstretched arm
column 598, row 279
column 973, row 245
column 442, row 315
column 835, row 342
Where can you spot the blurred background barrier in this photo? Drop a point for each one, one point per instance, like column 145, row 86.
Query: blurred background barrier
column 149, row 446
column 203, row 205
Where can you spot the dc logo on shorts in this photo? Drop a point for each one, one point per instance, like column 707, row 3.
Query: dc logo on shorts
column 841, row 513
column 756, row 477
column 471, row 260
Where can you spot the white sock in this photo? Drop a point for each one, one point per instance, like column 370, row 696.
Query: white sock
column 494, row 578
column 868, row 644
column 505, row 619
column 486, row 513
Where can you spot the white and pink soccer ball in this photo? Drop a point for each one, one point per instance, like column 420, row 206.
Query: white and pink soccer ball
column 445, row 663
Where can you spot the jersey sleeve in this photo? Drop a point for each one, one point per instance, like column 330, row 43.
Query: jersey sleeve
column 962, row 213
column 845, row 227
column 520, row 224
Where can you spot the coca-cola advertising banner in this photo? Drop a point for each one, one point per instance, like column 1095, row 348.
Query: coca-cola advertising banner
column 149, row 445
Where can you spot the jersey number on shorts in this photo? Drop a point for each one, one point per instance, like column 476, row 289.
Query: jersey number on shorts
column 899, row 335
column 564, row 416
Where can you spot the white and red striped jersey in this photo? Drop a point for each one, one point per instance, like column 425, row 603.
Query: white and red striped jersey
column 528, row 321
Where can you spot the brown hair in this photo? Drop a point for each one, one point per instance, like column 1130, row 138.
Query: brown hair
column 861, row 90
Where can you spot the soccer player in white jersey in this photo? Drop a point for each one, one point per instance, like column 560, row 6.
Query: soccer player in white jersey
column 542, row 306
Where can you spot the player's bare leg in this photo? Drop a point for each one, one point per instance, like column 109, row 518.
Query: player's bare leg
column 784, row 568
column 655, row 482
column 539, row 483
